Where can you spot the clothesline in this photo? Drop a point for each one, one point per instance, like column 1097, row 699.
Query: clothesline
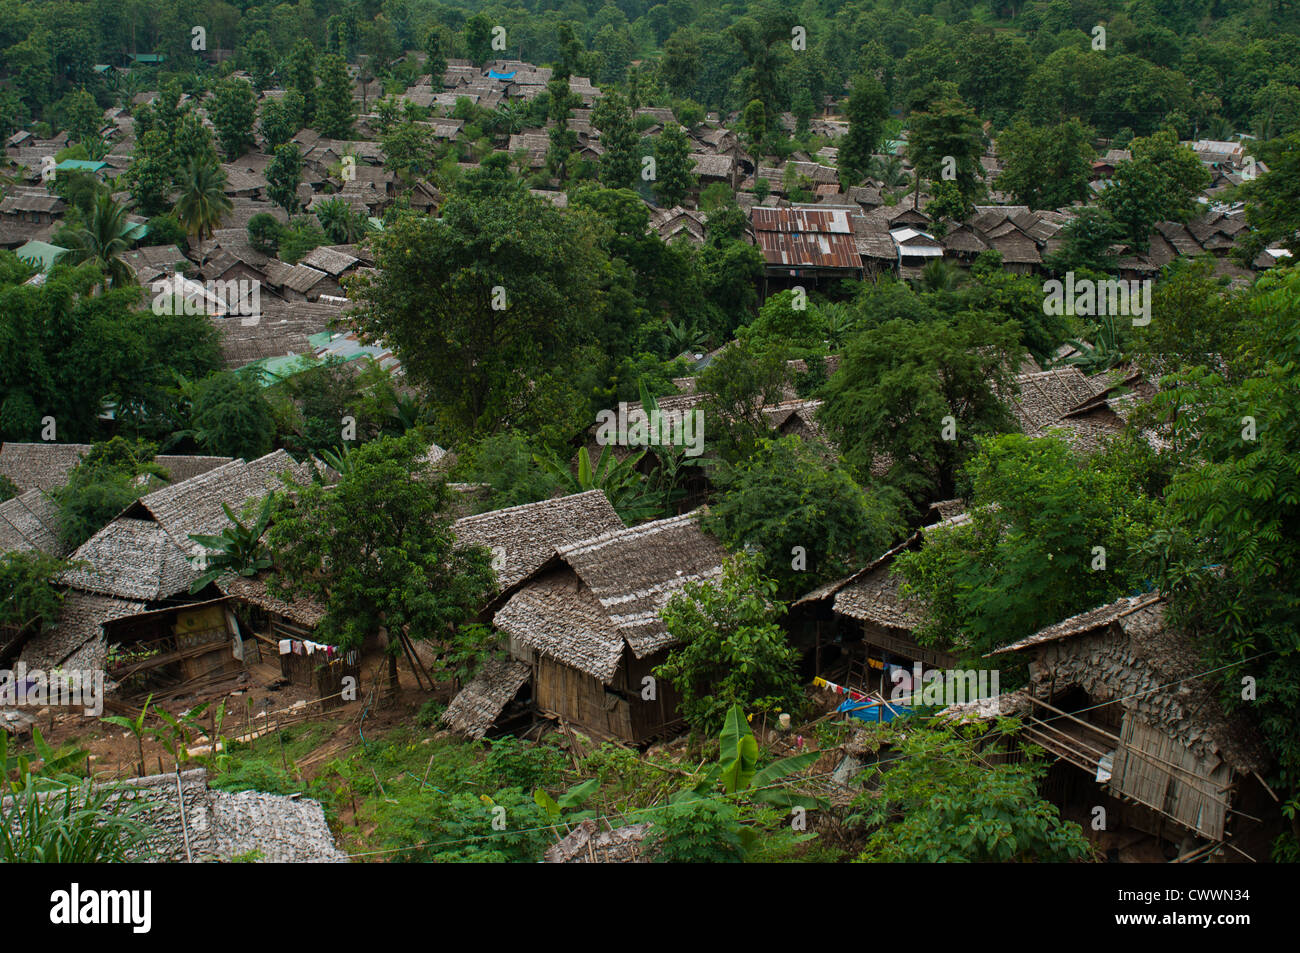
column 306, row 647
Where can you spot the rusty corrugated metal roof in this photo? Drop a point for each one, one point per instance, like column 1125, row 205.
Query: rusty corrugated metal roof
column 806, row 237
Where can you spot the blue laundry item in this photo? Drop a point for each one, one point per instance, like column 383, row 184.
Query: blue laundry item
column 873, row 711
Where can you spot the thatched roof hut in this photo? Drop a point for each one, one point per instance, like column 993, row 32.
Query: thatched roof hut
column 45, row 466
column 76, row 639
column 1117, row 692
column 588, row 623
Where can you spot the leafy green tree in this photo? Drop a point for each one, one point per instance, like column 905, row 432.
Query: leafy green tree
column 680, row 64
column 504, row 462
column 484, row 299
column 264, row 233
column 995, row 290
column 409, row 151
column 910, row 397
column 334, row 107
column 1196, row 320
column 283, row 176
column 233, row 111
column 802, row 108
column 866, row 111
column 80, row 115
column 946, row 129
column 299, row 70
column 108, row 478
column 231, row 417
column 941, row 801
column 28, row 598
column 1046, row 167
column 377, row 550
column 673, row 175
column 191, row 142
column 478, row 39
column 1160, row 182
column 1029, row 556
column 435, row 50
column 261, row 59
column 740, row 382
column 1226, row 550
column 298, row 238
column 620, row 165
column 801, row 515
column 1087, row 243
column 203, row 202
column 754, row 123
column 1273, row 198
column 731, row 651
column 279, row 123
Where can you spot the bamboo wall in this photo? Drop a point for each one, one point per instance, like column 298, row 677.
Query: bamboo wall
column 617, row 711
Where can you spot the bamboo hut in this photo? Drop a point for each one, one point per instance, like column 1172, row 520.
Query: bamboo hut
column 1120, row 700
column 586, row 624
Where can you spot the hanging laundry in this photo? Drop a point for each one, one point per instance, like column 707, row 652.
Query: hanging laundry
column 286, row 646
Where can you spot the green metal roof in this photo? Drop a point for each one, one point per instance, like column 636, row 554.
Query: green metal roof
column 80, row 165
column 41, row 254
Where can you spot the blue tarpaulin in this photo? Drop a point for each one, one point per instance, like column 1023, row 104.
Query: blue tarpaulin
column 493, row 74
column 870, row 710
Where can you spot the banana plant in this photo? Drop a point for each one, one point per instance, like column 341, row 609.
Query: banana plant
column 619, row 480
column 237, row 549
column 1104, row 351
column 571, row 799
column 673, row 460
column 54, row 763
column 737, row 771
column 133, row 725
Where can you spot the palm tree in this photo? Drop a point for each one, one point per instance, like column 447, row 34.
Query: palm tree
column 888, row 170
column 203, row 202
column 941, row 275
column 103, row 238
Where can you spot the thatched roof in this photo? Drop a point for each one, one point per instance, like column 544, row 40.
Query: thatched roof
column 40, row 466
column 874, row 597
column 30, row 522
column 606, row 592
column 46, row 466
column 77, row 636
column 1083, row 622
column 829, row 589
column 194, row 506
column 286, row 328
column 132, row 559
column 252, row 589
column 1047, row 396
column 587, row 844
column 182, row 467
column 481, row 702
column 1126, row 652
column 528, row 535
column 634, row 572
